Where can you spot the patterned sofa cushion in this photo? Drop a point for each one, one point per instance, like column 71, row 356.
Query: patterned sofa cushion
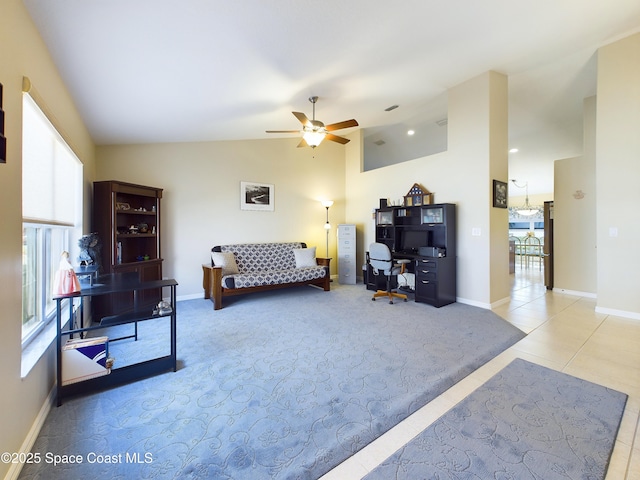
column 260, row 257
column 274, row 277
column 267, row 264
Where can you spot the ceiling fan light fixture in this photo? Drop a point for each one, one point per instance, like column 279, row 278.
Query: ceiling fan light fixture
column 314, row 131
column 313, row 137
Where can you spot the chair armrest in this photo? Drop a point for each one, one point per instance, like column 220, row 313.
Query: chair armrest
column 212, row 284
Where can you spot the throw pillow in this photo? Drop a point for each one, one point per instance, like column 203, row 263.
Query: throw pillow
column 227, row 261
column 305, row 257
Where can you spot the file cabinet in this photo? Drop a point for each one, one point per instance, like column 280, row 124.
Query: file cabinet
column 347, row 254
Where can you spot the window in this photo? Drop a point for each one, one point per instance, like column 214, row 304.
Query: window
column 51, row 214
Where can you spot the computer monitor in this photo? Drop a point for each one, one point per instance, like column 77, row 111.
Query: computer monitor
column 412, row 240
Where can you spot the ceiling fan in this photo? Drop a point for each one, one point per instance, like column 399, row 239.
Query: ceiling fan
column 314, row 131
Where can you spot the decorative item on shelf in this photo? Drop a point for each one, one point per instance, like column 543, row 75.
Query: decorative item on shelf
column 163, row 308
column 90, row 246
column 123, row 206
column 143, row 228
column 417, row 196
column 133, row 229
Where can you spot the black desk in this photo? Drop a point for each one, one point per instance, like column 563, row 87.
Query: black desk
column 435, row 278
column 104, row 285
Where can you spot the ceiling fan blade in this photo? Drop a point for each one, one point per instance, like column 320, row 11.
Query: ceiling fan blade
column 336, row 138
column 302, row 117
column 340, row 125
column 303, row 143
column 282, row 131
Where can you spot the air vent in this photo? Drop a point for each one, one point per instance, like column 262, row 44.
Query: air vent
column 443, row 122
column 392, row 107
column 379, row 142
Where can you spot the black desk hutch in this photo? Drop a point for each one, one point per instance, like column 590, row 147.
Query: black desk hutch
column 426, row 235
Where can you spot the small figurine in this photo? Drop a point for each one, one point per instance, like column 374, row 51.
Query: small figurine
column 90, row 247
column 65, row 282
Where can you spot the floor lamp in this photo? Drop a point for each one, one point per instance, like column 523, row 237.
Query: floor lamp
column 327, row 226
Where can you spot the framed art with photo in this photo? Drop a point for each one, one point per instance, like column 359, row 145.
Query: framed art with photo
column 499, row 194
column 256, row 196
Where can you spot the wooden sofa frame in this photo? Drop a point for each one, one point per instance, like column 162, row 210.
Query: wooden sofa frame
column 213, row 289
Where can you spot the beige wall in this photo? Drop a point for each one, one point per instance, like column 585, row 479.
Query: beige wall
column 617, row 175
column 201, row 198
column 575, row 267
column 463, row 175
column 23, row 54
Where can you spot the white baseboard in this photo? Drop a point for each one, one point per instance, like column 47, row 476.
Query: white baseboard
column 193, row 296
column 618, row 313
column 32, row 436
column 473, row 303
column 574, row 292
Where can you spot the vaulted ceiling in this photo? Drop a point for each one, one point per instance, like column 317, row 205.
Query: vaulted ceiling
column 149, row 71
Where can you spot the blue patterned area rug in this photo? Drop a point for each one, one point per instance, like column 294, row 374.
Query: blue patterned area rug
column 526, row 422
column 278, row 385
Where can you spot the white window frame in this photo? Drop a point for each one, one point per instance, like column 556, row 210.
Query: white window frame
column 39, row 310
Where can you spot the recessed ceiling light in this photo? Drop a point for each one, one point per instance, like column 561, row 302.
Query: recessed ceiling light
column 411, row 132
column 513, row 150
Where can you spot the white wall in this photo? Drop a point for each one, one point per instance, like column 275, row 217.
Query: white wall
column 201, row 198
column 24, row 54
column 617, row 175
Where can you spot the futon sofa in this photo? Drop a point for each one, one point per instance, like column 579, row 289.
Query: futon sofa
column 254, row 267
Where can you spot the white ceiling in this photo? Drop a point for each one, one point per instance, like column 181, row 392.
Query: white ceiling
column 149, row 71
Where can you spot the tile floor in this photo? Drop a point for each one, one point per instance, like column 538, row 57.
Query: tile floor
column 564, row 333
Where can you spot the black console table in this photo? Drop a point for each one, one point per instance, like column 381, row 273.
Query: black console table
column 105, row 285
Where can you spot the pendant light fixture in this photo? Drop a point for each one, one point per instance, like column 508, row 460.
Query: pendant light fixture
column 526, row 210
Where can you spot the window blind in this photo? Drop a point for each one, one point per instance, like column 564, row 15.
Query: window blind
column 51, row 172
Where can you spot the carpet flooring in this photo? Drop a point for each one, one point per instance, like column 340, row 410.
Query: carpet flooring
column 527, row 422
column 280, row 385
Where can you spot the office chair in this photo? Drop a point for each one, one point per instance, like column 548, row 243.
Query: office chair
column 381, row 261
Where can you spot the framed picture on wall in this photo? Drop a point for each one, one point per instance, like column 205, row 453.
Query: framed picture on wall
column 256, row 196
column 499, row 194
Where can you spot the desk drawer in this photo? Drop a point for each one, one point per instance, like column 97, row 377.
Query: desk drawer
column 426, row 269
column 426, row 289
